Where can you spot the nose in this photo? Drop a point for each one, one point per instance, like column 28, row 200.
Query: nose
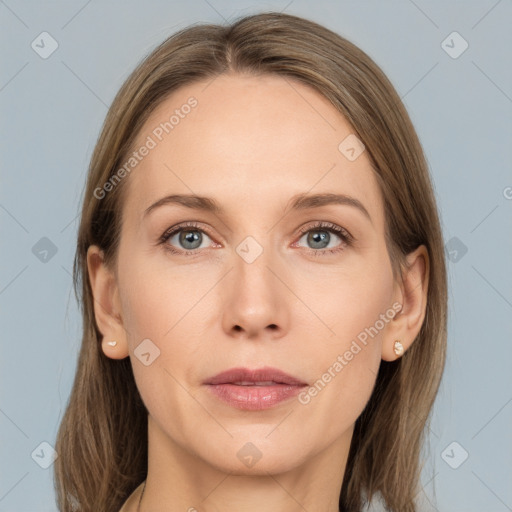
column 255, row 304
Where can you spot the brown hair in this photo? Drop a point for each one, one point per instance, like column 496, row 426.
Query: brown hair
column 102, row 440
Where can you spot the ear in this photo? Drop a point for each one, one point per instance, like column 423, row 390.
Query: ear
column 411, row 294
column 107, row 306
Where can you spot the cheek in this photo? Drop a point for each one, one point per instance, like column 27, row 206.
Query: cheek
column 341, row 340
column 358, row 308
column 162, row 310
column 352, row 300
column 154, row 297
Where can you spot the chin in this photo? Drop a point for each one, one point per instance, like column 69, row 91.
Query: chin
column 255, row 455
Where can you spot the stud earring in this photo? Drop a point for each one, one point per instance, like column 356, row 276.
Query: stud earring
column 398, row 348
column 112, row 343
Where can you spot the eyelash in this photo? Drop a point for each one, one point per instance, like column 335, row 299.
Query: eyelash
column 346, row 238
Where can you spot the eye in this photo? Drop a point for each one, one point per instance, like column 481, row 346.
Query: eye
column 319, row 237
column 188, row 237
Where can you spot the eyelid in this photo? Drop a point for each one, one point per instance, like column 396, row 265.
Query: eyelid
column 182, row 226
column 347, row 240
column 339, row 230
column 346, row 237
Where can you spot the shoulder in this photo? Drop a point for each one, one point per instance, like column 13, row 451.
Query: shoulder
column 131, row 503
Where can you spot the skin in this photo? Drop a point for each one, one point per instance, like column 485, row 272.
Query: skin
column 251, row 144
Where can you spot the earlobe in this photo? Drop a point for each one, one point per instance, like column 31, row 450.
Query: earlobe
column 412, row 295
column 398, row 348
column 106, row 305
column 113, row 349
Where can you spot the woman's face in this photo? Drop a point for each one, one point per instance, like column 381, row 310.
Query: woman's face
column 262, row 281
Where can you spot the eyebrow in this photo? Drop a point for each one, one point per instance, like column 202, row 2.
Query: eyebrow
column 298, row 202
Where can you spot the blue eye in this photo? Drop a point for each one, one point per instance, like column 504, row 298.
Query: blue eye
column 189, row 239
column 319, row 236
column 190, row 236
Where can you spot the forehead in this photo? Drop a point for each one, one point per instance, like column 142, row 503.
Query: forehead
column 260, row 139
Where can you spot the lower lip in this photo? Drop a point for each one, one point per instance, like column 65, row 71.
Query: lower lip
column 254, row 398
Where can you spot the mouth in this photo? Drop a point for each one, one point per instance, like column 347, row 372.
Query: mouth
column 254, row 390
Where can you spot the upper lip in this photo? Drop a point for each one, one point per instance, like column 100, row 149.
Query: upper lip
column 255, row 376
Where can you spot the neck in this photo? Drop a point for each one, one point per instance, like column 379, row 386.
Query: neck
column 178, row 480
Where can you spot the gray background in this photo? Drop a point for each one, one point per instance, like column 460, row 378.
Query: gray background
column 51, row 113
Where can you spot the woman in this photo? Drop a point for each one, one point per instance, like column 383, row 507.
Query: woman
column 262, row 275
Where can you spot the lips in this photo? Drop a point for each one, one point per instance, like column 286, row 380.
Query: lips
column 254, row 390
column 262, row 376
